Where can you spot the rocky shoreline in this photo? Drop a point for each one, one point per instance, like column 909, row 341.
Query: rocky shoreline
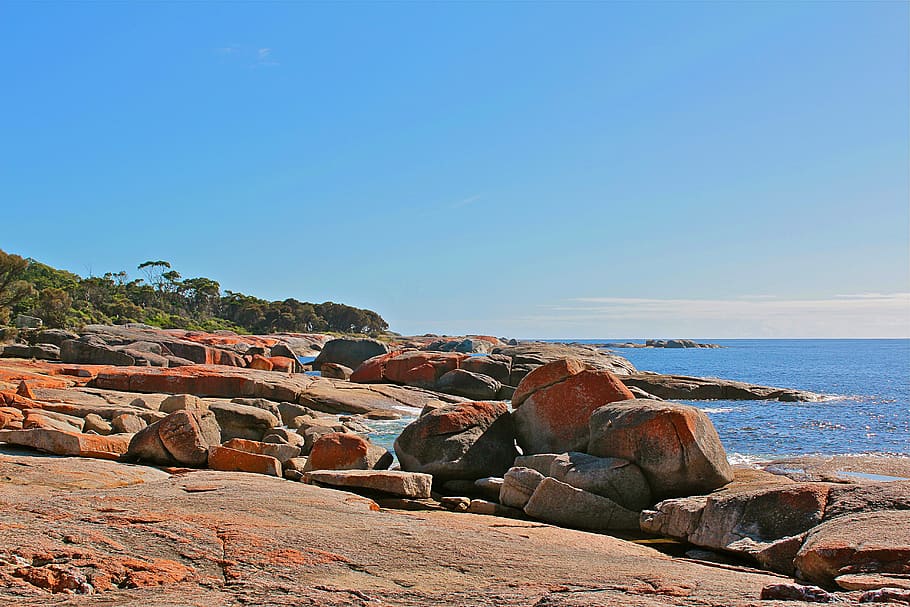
column 516, row 444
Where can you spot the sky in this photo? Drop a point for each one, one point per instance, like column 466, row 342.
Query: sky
column 550, row 170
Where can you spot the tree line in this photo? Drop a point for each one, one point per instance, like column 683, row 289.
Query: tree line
column 163, row 298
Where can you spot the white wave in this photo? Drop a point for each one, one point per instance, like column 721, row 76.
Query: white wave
column 717, row 409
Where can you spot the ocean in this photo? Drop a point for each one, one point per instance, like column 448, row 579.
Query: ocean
column 866, row 382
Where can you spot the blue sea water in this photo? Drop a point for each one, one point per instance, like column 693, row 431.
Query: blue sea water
column 867, row 383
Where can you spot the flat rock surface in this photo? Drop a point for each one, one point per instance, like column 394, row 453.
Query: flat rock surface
column 217, row 538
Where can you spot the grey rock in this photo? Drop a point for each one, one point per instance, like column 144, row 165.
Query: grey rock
column 468, row 384
column 518, row 485
column 537, row 461
column 617, row 479
column 556, row 502
column 497, row 366
column 349, row 352
column 54, row 336
column 489, row 487
column 243, row 421
column 336, row 371
column 493, row 509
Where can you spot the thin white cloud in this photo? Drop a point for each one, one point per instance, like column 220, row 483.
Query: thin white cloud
column 252, row 57
column 466, row 201
column 860, row 315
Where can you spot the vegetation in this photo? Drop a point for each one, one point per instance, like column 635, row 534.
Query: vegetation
column 163, row 299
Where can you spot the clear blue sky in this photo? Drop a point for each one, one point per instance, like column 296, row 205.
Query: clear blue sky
column 523, row 169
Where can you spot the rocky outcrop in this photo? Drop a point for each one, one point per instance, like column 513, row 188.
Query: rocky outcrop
column 617, row 479
column 531, row 355
column 675, row 445
column 518, row 485
column 467, row 440
column 864, row 542
column 682, row 387
column 349, row 352
column 243, row 421
column 236, row 460
column 555, row 401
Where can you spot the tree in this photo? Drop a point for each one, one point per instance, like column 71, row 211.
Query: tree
column 13, row 289
column 53, row 306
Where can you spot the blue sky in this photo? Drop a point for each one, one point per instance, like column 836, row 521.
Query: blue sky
column 522, row 169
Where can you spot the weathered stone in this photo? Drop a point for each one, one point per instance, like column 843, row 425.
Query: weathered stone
column 886, row 595
column 187, row 435
column 489, row 487
column 497, row 366
column 555, row 418
column 280, row 452
column 493, row 509
column 675, row 445
column 234, row 460
column 97, row 424
column 468, row 384
column 538, row 461
column 856, row 542
column 349, row 352
column 545, row 376
column 260, row 403
column 127, row 423
column 874, row 581
column 556, row 502
column 455, row 503
column 394, row 482
column 73, row 443
column 459, row 441
column 243, row 421
column 422, row 369
column 179, row 402
column 866, row 497
column 681, row 387
column 796, row 592
column 93, row 351
column 336, row 371
column 617, row 479
column 341, row 451
column 518, row 485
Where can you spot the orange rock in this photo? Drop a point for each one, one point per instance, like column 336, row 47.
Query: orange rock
column 25, row 390
column 283, row 364
column 61, row 442
column 261, row 363
column 555, row 419
column 547, row 375
column 233, row 460
column 421, row 368
column 372, row 370
column 345, row 451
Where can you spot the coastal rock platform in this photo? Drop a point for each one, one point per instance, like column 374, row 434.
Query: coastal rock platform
column 92, row 532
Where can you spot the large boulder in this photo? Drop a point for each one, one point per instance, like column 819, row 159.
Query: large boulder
column 92, row 350
column 617, row 479
column 345, row 451
column 556, row 502
column 467, row 441
column 497, row 366
column 183, row 437
column 468, row 384
column 349, row 352
column 675, row 445
column 865, row 542
column 243, row 421
column 554, row 404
